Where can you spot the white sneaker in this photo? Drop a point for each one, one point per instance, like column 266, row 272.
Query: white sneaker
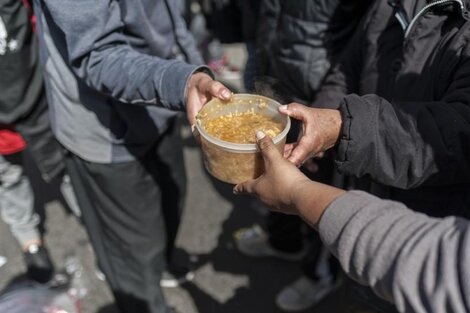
column 253, row 241
column 303, row 294
column 173, row 279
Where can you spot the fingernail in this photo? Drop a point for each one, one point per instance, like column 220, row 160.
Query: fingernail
column 283, row 107
column 226, row 94
column 260, row 135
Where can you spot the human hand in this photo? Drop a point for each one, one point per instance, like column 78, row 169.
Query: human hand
column 276, row 187
column 200, row 89
column 320, row 131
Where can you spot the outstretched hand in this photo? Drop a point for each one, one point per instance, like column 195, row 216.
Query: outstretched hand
column 285, row 189
column 200, row 89
column 320, row 131
column 277, row 185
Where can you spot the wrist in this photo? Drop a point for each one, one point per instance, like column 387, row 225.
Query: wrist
column 194, row 81
column 335, row 122
column 311, row 199
column 299, row 192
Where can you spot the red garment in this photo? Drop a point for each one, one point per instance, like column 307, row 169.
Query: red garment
column 29, row 8
column 11, row 142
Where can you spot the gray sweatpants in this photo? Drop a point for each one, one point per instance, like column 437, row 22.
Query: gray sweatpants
column 17, row 200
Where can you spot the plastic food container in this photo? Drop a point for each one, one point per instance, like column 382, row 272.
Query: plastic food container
column 237, row 162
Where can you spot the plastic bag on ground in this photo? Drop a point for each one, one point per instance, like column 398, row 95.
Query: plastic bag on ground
column 30, row 297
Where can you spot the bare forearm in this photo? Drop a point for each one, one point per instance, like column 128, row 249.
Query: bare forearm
column 312, row 198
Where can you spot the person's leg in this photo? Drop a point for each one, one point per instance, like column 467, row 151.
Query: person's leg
column 285, row 232
column 17, row 201
column 121, row 210
column 171, row 177
column 172, row 180
column 315, row 262
column 314, row 284
column 17, row 210
column 317, row 279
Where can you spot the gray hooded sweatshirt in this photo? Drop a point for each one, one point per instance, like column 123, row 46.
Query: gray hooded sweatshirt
column 415, row 261
column 115, row 72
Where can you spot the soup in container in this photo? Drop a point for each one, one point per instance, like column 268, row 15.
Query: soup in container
column 228, row 135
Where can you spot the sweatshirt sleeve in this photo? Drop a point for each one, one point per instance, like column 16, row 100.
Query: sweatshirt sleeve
column 417, row 262
column 97, row 52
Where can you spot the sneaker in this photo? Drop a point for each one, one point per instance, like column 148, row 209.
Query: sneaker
column 303, row 294
column 99, row 274
column 176, row 277
column 38, row 264
column 253, row 242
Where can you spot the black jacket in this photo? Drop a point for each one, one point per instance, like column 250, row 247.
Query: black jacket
column 23, row 102
column 298, row 40
column 21, row 82
column 407, row 123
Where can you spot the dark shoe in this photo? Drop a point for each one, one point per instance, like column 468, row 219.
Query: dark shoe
column 38, row 264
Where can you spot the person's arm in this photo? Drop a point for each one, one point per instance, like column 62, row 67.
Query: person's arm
column 98, row 53
column 342, row 79
column 417, row 262
column 400, row 144
column 408, row 144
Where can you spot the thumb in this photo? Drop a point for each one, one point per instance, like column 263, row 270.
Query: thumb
column 295, row 110
column 217, row 89
column 267, row 147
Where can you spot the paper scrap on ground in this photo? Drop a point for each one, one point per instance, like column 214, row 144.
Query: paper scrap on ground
column 3, row 260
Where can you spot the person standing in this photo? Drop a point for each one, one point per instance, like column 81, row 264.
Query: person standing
column 385, row 109
column 24, row 124
column 408, row 258
column 17, row 208
column 116, row 74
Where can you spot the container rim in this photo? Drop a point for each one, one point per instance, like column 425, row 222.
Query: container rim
column 243, row 147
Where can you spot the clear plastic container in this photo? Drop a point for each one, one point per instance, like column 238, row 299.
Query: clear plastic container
column 235, row 162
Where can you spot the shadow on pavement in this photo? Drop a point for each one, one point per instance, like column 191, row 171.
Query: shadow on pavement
column 264, row 277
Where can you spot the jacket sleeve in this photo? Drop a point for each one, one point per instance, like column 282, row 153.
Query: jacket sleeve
column 405, row 145
column 97, row 52
column 417, row 262
column 398, row 144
